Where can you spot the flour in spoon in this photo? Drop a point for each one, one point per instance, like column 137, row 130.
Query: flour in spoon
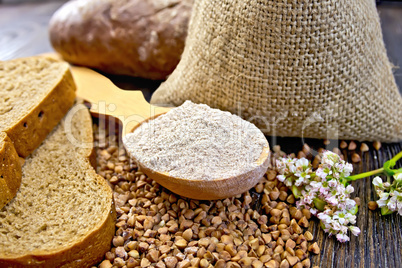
column 194, row 141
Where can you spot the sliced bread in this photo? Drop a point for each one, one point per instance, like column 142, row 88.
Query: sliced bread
column 35, row 94
column 63, row 215
column 10, row 170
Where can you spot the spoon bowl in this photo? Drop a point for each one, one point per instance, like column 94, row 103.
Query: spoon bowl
column 208, row 189
column 211, row 189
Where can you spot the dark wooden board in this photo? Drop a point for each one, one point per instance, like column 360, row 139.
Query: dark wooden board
column 23, row 32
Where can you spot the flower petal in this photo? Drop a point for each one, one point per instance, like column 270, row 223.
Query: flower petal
column 377, row 181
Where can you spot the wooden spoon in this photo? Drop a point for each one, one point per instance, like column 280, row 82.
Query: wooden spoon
column 211, row 189
column 131, row 108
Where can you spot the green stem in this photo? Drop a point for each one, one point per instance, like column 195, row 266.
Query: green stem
column 397, row 157
column 391, row 163
column 365, row 174
column 387, row 169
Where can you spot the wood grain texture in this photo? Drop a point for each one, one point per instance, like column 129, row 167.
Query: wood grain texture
column 23, row 32
column 23, row 28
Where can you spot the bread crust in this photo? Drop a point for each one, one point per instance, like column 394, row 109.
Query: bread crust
column 10, row 170
column 28, row 133
column 143, row 38
column 83, row 252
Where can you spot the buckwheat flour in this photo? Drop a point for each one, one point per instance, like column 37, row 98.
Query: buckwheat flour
column 194, row 141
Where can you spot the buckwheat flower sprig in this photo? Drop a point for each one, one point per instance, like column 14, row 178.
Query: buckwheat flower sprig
column 390, row 191
column 324, row 191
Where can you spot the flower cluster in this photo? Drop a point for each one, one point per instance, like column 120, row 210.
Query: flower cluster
column 390, row 194
column 323, row 191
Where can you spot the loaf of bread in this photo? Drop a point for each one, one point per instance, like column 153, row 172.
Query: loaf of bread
column 143, row 38
column 35, row 94
column 63, row 215
column 10, row 170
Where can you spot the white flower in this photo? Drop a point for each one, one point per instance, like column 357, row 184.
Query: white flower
column 292, row 169
column 377, row 181
column 349, row 189
column 302, row 162
column 332, row 200
column 330, row 158
column 400, row 209
column 299, row 181
column 347, row 169
column 280, row 165
column 382, row 203
column 399, row 202
column 332, row 183
column 313, row 187
column 316, row 185
column 379, row 192
column 342, row 237
column 336, row 226
column 288, row 183
column 392, row 204
column 324, row 191
column 344, row 229
column 324, row 218
column 313, row 211
column 339, row 216
column 384, row 196
column 349, row 204
column 303, row 178
column 323, row 172
column 285, row 165
column 350, row 218
column 395, row 202
column 281, row 177
column 320, row 173
column 398, row 176
column 308, row 197
column 355, row 230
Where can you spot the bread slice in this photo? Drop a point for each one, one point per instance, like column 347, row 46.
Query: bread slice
column 10, row 170
column 35, row 94
column 63, row 215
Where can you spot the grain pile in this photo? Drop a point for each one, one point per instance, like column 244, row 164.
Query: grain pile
column 260, row 228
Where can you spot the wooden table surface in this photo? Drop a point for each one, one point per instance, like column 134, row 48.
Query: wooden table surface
column 23, row 32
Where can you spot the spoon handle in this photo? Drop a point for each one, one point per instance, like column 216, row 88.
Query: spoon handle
column 130, row 107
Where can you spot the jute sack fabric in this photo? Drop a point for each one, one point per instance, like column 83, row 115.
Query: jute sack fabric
column 307, row 68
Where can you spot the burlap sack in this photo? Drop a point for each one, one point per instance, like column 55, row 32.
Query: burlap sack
column 294, row 68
